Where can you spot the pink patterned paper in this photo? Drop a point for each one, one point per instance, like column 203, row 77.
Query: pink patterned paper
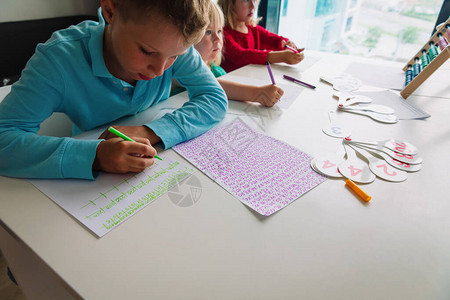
column 262, row 172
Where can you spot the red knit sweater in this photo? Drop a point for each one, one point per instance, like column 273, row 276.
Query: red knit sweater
column 240, row 49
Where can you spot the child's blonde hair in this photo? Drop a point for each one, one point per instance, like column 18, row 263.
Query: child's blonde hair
column 227, row 7
column 189, row 16
column 216, row 18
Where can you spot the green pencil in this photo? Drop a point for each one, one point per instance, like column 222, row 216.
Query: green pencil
column 126, row 138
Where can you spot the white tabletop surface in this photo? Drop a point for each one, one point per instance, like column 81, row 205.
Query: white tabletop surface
column 327, row 244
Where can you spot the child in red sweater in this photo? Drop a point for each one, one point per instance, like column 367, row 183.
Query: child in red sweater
column 245, row 42
column 210, row 49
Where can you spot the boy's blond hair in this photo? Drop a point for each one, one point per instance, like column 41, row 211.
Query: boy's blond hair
column 189, row 16
column 227, row 7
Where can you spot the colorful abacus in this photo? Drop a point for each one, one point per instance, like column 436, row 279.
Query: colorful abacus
column 434, row 53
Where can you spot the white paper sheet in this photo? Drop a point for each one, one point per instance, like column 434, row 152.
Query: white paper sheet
column 378, row 75
column 404, row 109
column 291, row 91
column 103, row 204
column 262, row 172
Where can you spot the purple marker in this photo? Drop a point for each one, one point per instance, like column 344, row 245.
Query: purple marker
column 270, row 72
column 298, row 81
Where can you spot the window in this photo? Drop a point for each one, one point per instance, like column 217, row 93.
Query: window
column 348, row 26
column 326, row 7
column 388, row 29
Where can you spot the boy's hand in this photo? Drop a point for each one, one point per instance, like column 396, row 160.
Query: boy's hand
column 286, row 56
column 137, row 131
column 269, row 95
column 116, row 155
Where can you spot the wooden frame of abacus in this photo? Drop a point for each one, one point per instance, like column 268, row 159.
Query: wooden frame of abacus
column 433, row 66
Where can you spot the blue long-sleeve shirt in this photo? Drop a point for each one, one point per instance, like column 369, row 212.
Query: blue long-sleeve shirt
column 68, row 74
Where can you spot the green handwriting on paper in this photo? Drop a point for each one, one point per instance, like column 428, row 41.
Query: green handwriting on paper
column 103, row 204
column 145, row 183
column 149, row 197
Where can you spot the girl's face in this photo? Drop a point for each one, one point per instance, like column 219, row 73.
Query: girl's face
column 211, row 44
column 245, row 10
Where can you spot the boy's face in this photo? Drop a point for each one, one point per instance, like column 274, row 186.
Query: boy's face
column 141, row 51
column 211, row 44
column 245, row 10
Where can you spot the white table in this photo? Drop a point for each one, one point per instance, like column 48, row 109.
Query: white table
column 326, row 245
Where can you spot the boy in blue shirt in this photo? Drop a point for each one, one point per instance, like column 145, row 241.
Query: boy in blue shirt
column 96, row 73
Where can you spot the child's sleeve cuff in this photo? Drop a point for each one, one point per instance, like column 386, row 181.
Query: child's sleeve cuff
column 78, row 157
column 168, row 131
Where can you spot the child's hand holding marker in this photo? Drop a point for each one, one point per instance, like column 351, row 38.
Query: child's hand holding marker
column 291, row 46
column 269, row 95
column 287, row 56
column 293, row 49
column 123, row 154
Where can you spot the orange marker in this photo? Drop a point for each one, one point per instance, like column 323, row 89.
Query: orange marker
column 357, row 190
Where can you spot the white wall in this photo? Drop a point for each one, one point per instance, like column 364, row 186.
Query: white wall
column 19, row 10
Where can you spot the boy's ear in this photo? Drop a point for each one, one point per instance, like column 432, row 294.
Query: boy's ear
column 108, row 10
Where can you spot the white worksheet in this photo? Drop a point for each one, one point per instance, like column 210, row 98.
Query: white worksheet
column 101, row 205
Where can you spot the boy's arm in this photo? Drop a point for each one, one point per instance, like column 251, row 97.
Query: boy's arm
column 34, row 98
column 207, row 103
